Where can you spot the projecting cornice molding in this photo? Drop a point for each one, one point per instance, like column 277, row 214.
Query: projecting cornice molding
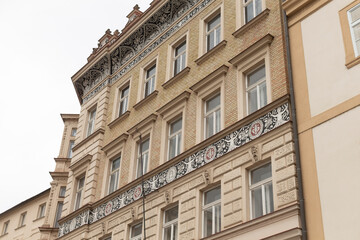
column 265, row 120
column 293, row 6
column 158, row 27
column 209, row 78
column 83, row 161
column 173, row 103
column 147, row 121
column 122, row 138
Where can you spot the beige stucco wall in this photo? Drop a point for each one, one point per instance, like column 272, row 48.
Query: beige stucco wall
column 32, row 223
column 329, row 81
column 337, row 151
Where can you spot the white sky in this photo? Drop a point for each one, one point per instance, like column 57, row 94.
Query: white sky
column 42, row 44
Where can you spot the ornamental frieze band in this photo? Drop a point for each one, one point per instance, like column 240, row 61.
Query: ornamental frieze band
column 268, row 122
column 135, row 44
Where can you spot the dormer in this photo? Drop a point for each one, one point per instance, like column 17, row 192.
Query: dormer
column 133, row 16
column 106, row 40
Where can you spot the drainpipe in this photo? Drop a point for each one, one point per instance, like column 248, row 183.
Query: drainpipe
column 295, row 130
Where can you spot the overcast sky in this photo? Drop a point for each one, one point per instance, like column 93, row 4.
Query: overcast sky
column 42, row 44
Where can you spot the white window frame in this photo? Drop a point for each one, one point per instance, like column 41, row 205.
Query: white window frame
column 245, row 4
column 352, row 25
column 91, row 121
column 262, row 185
column 211, row 206
column 170, row 224
column 41, row 211
column 150, row 78
column 22, row 219
column 123, row 100
column 73, row 132
column 5, row 228
column 78, row 194
column 115, row 173
column 145, row 160
column 180, row 56
column 256, row 85
column 71, row 145
column 137, row 237
column 62, row 191
column 178, row 138
column 214, row 31
column 213, row 113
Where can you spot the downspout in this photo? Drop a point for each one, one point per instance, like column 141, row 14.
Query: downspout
column 295, row 130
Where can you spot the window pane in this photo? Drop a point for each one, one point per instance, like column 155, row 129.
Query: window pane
column 269, row 202
column 210, row 41
column 213, row 22
column 256, row 76
column 172, row 147
column 171, row 214
column 218, row 31
column 167, row 233
column 58, row 213
column 208, row 222
column 213, row 103
column 176, row 126
column 73, row 132
column 217, row 121
column 178, row 144
column 81, row 183
column 209, row 128
column 261, row 173
column 115, row 164
column 175, row 232
column 62, row 191
column 136, row 230
column 217, row 218
column 180, row 48
column 256, row 202
column 263, row 94
column 252, row 100
column 177, row 66
column 258, row 7
column 212, row 195
column 357, row 31
column 151, row 71
column 249, row 12
column 355, row 14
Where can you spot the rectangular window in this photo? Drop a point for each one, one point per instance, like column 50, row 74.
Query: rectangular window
column 79, row 190
column 41, row 211
column 5, row 228
column 179, row 58
column 252, row 8
column 143, row 158
column 213, row 32
column 114, row 175
column 62, row 191
column 58, row 213
column 170, row 229
column 261, row 191
column 256, row 95
column 91, row 122
column 124, row 99
column 150, row 81
column 73, row 132
column 136, row 232
column 71, row 145
column 211, row 211
column 354, row 21
column 22, row 219
column 175, row 129
column 212, row 116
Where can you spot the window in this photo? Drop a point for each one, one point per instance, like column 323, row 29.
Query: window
column 256, row 90
column 170, row 229
column 41, row 212
column 124, row 99
column 22, row 219
column 213, row 32
column 73, row 132
column 149, row 86
column 91, row 122
column 179, row 57
column 62, row 191
column 114, row 175
column 261, row 191
column 136, row 232
column 79, row 189
column 175, row 129
column 252, row 8
column 212, row 116
column 211, row 212
column 71, row 145
column 5, row 228
column 58, row 213
column 142, row 160
column 354, row 21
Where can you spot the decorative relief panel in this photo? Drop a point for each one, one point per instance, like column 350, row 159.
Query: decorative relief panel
column 136, row 43
column 238, row 138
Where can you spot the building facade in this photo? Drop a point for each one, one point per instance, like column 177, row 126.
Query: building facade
column 324, row 44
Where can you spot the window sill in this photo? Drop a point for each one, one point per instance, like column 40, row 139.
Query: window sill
column 87, row 139
column 20, row 227
column 2, row 235
column 119, row 119
column 353, row 62
column 147, row 99
column 180, row 74
column 37, row 219
column 241, row 31
column 208, row 54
